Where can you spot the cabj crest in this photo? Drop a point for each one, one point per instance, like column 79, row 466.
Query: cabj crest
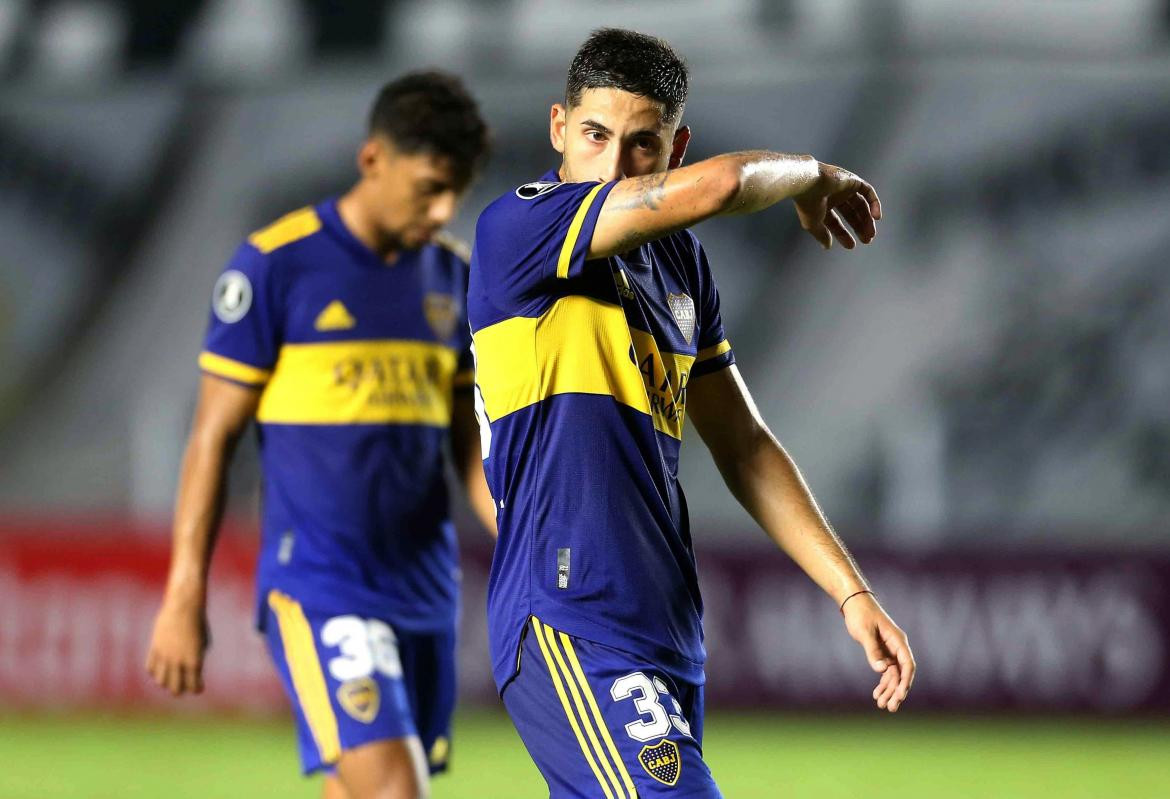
column 662, row 761
column 683, row 308
column 439, row 310
column 360, row 698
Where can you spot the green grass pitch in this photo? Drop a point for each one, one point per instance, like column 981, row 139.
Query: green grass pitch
column 901, row 757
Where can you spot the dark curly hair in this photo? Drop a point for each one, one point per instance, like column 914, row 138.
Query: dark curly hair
column 431, row 112
column 613, row 58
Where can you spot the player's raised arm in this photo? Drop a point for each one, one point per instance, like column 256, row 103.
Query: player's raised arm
column 177, row 644
column 831, row 202
column 766, row 482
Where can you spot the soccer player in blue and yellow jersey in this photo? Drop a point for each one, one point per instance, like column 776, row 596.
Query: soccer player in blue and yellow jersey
column 340, row 328
column 596, row 328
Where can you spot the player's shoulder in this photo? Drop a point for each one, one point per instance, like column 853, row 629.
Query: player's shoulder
column 521, row 204
column 452, row 247
column 294, row 227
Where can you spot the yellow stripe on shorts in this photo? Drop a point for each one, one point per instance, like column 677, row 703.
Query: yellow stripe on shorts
column 555, row 673
column 308, row 680
column 580, row 675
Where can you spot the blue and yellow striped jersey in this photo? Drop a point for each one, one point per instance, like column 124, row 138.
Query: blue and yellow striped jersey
column 581, row 378
column 357, row 361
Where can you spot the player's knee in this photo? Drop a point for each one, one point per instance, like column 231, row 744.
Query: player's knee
column 385, row 770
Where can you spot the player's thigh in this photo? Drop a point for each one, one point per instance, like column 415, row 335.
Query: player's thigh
column 343, row 676
column 603, row 723
column 429, row 672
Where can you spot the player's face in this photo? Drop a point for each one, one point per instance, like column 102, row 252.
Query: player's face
column 413, row 194
column 612, row 134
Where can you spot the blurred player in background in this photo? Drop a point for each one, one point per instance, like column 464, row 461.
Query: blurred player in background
column 341, row 329
column 596, row 326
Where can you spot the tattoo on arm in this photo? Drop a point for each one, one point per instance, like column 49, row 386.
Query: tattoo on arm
column 647, row 192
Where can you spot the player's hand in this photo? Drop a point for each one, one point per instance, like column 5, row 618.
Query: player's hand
column 886, row 648
column 175, row 659
column 839, row 202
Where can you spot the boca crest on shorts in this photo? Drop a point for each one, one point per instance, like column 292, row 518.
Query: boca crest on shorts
column 600, row 722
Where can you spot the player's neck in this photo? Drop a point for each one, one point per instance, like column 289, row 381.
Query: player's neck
column 362, row 226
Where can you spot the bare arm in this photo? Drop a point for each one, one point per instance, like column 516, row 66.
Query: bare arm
column 468, row 460
column 642, row 209
column 766, row 482
column 175, row 659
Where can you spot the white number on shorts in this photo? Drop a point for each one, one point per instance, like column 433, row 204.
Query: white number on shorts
column 645, row 694
column 365, row 645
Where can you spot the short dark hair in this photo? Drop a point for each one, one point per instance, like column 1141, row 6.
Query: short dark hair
column 613, row 58
column 432, row 112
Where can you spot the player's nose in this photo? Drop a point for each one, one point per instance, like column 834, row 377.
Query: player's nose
column 610, row 167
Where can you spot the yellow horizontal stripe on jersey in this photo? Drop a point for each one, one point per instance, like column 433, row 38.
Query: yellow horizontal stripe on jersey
column 308, row 680
column 714, row 350
column 289, row 228
column 232, row 370
column 566, row 258
column 578, row 346
column 360, row 382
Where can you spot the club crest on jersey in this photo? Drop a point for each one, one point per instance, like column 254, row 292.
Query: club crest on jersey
column 662, row 761
column 439, row 310
column 232, row 296
column 360, row 698
column 530, row 191
column 683, row 308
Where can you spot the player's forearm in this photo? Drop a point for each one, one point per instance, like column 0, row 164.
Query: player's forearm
column 764, row 178
column 767, row 483
column 642, row 209
column 198, row 511
column 480, row 497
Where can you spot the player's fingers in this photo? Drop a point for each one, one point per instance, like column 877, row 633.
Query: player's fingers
column 874, row 652
column 883, row 683
column 187, row 678
column 871, row 197
column 888, row 684
column 907, row 666
column 195, row 678
column 837, row 227
column 158, row 671
column 860, row 218
column 857, row 218
column 821, row 234
column 174, row 679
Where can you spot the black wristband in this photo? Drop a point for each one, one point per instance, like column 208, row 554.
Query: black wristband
column 857, row 593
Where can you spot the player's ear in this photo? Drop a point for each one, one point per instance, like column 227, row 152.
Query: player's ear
column 367, row 157
column 678, row 148
column 558, row 120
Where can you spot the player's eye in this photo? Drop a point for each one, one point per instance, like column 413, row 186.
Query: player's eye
column 646, row 145
column 595, row 136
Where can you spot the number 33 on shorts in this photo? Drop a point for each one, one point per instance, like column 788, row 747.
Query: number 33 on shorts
column 600, row 722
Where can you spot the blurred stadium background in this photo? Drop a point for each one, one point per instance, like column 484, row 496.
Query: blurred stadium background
column 980, row 400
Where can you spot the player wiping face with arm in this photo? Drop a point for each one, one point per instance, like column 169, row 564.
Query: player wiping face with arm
column 613, row 135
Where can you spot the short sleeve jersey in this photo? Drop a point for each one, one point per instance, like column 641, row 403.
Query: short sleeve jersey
column 581, row 377
column 357, row 361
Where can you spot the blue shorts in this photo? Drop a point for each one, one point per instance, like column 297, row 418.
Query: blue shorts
column 600, row 722
column 353, row 680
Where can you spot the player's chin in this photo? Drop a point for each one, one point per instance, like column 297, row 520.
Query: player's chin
column 420, row 237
